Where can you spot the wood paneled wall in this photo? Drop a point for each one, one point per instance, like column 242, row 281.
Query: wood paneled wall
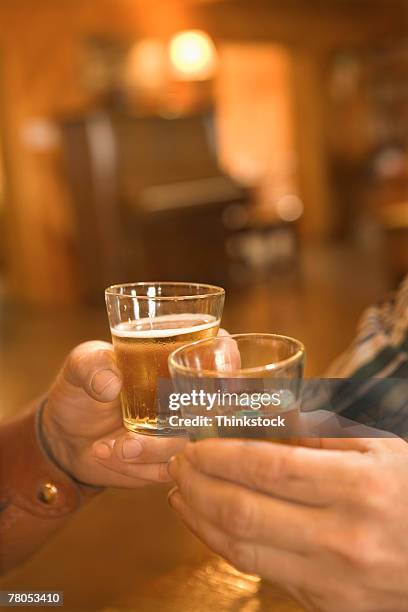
column 40, row 78
column 39, row 54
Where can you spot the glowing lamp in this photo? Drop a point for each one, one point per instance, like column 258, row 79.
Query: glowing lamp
column 193, row 56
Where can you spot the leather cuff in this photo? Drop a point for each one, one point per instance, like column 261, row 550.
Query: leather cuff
column 28, row 477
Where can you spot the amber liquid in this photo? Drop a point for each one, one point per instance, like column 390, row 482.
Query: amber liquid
column 142, row 349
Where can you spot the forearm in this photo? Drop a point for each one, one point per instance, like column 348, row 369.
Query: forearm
column 36, row 497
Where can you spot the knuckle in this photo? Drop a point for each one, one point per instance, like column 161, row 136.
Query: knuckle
column 163, row 473
column 283, row 464
column 237, row 516
column 368, row 549
column 91, row 347
column 242, row 555
column 102, row 357
column 259, row 471
column 339, row 599
column 378, row 490
column 359, row 546
column 352, row 598
column 132, row 471
column 326, row 540
column 337, row 542
column 85, row 357
column 74, row 370
column 118, row 447
column 74, row 356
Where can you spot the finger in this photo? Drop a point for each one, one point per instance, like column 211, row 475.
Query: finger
column 150, row 472
column 104, row 453
column 114, row 474
column 274, row 564
column 136, row 448
column 138, row 456
column 325, row 429
column 223, row 355
column 361, row 445
column 91, row 367
column 366, row 445
column 223, row 332
column 110, row 478
column 311, row 476
column 246, row 514
column 226, row 354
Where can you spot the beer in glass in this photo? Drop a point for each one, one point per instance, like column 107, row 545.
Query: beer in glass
column 149, row 321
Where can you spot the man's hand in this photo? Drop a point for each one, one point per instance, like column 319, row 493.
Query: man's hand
column 329, row 524
column 82, row 422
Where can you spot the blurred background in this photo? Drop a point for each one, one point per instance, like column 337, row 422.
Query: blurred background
column 259, row 145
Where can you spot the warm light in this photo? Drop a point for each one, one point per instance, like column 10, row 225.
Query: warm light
column 193, row 56
column 146, row 64
column 289, row 207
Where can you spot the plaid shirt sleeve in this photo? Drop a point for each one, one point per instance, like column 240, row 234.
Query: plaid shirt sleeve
column 380, row 348
column 369, row 381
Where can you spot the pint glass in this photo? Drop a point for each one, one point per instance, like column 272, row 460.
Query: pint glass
column 148, row 321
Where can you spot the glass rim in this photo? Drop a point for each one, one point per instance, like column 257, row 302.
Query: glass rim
column 208, row 290
column 269, row 367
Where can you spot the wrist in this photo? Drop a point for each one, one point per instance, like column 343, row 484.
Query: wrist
column 31, row 481
column 52, row 439
column 56, row 446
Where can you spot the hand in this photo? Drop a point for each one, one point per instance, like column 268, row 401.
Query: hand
column 82, row 422
column 328, row 524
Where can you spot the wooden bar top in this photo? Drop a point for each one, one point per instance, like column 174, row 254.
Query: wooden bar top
column 127, row 550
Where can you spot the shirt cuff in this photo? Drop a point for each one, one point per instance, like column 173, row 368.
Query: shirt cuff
column 29, row 479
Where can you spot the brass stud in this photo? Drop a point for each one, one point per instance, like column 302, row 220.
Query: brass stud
column 47, row 493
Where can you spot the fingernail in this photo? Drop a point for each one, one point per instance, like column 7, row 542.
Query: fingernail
column 102, row 379
column 173, row 465
column 102, row 450
column 170, row 465
column 131, row 448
